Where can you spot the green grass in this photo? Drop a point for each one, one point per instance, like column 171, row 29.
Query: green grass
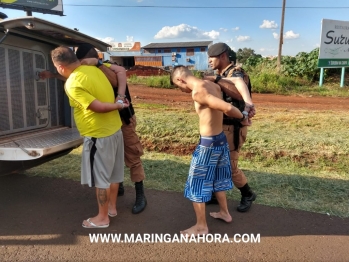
column 292, row 159
column 152, row 81
column 267, row 80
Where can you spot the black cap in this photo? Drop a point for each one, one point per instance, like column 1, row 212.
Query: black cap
column 217, row 49
column 83, row 50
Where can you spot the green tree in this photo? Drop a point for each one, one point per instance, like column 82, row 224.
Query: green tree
column 243, row 54
column 302, row 65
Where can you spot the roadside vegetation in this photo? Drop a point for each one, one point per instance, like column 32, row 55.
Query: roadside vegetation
column 298, row 75
column 291, row 158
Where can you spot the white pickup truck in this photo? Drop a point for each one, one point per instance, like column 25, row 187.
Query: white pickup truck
column 36, row 123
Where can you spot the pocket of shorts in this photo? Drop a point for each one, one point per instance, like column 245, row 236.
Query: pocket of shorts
column 88, row 143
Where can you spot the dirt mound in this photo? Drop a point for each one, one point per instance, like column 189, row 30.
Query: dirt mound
column 140, row 70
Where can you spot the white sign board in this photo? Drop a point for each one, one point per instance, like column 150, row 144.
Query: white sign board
column 121, row 46
column 334, row 45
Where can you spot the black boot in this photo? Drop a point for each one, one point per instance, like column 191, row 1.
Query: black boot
column 141, row 201
column 121, row 189
column 247, row 197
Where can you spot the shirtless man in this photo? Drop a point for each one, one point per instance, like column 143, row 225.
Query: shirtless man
column 210, row 169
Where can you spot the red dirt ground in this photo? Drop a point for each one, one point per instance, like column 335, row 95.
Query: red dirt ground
column 175, row 97
column 41, row 217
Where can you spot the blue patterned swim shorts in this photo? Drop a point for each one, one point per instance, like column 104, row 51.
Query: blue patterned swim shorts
column 210, row 169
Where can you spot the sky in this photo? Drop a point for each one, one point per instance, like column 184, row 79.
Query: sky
column 251, row 24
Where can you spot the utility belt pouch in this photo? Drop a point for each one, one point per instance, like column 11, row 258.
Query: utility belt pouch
column 239, row 104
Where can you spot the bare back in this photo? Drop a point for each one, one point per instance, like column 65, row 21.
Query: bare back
column 207, row 97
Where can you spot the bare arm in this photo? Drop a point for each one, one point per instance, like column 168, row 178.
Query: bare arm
column 203, row 97
column 107, row 71
column 236, row 88
column 122, row 79
column 101, row 107
column 241, row 87
column 110, row 75
column 227, row 87
column 47, row 74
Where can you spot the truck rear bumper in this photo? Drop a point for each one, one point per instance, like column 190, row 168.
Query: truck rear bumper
column 39, row 144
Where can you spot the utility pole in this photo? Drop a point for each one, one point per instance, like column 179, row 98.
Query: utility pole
column 281, row 40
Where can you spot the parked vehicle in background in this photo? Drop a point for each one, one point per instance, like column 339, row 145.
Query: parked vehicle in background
column 36, row 123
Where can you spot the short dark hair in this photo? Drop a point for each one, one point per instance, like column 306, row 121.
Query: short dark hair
column 86, row 50
column 175, row 70
column 63, row 55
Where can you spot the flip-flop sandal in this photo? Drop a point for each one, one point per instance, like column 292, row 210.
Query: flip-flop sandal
column 93, row 225
column 112, row 215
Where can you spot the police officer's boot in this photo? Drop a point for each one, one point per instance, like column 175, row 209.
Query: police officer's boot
column 121, row 190
column 247, row 197
column 141, row 201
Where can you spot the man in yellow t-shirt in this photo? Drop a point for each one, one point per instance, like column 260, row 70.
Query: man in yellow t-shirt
column 133, row 149
column 82, row 91
column 98, row 120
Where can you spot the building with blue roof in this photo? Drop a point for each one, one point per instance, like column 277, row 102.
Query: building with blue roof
column 162, row 55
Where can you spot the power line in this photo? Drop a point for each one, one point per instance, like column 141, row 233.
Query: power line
column 212, row 7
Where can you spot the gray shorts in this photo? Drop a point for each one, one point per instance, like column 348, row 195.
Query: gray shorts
column 103, row 160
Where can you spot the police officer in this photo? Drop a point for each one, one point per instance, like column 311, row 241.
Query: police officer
column 235, row 133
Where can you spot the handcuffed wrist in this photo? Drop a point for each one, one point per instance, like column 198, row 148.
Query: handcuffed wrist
column 121, row 102
column 243, row 117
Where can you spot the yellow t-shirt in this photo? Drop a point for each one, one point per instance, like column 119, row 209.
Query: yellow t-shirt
column 84, row 85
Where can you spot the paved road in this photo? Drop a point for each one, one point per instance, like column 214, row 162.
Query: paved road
column 41, row 221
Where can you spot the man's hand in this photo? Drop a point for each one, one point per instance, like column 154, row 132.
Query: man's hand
column 250, row 109
column 46, row 74
column 89, row 61
column 124, row 103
